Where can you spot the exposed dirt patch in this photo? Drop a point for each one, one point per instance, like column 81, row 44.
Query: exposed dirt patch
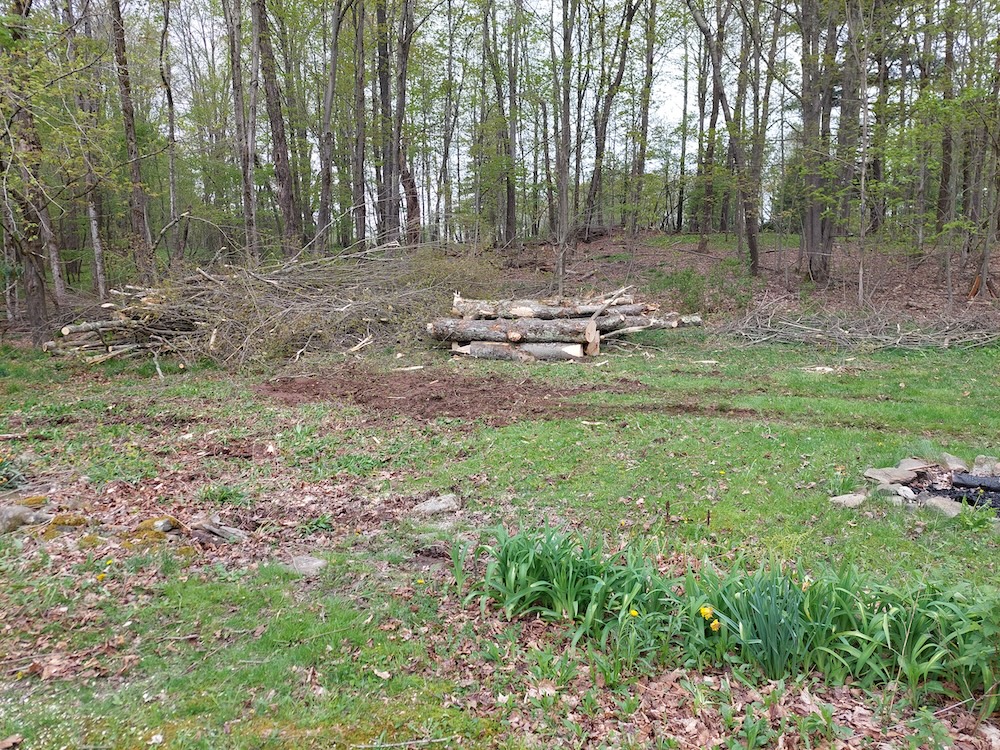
column 431, row 394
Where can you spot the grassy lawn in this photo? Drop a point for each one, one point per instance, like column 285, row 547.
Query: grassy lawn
column 686, row 446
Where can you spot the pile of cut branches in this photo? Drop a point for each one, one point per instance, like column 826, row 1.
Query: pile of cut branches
column 769, row 324
column 237, row 316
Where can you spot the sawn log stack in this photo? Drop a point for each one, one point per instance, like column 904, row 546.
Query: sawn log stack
column 525, row 330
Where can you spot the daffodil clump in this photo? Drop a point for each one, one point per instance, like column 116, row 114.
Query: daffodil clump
column 779, row 620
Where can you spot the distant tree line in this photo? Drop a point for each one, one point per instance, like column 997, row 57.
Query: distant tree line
column 136, row 138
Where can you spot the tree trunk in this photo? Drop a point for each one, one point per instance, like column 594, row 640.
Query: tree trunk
column 530, row 330
column 555, row 352
column 141, row 237
column 750, row 216
column 645, row 95
column 388, row 187
column 562, row 68
column 25, row 156
column 326, row 130
column 233, row 12
column 602, row 112
column 681, row 174
column 290, row 217
column 546, row 309
column 358, row 208
column 402, row 169
column 944, row 197
column 172, row 244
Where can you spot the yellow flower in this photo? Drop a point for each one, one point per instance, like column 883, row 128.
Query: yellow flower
column 634, row 612
column 707, row 611
column 715, row 626
column 420, row 580
column 108, row 562
column 101, row 577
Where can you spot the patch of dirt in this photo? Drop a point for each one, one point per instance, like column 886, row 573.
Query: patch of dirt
column 434, row 393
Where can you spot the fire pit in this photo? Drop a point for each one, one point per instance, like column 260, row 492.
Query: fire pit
column 944, row 485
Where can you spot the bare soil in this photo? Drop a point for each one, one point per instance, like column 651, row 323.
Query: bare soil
column 426, row 395
column 435, row 393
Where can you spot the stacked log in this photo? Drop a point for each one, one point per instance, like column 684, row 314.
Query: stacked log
column 526, row 330
column 139, row 323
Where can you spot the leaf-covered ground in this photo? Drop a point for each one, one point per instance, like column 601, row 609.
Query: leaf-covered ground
column 112, row 635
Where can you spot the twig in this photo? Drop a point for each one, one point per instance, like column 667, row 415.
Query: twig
column 411, row 743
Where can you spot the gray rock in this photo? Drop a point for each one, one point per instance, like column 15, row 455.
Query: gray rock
column 891, row 493
column 943, row 505
column 306, row 565
column 954, row 463
column 15, row 516
column 163, row 524
column 441, row 504
column 849, row 501
column 914, row 464
column 891, row 475
column 986, row 466
column 898, row 490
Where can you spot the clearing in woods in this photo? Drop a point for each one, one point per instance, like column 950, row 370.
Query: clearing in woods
column 117, row 632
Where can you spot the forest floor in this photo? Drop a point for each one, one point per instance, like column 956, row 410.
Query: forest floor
column 116, row 636
column 898, row 282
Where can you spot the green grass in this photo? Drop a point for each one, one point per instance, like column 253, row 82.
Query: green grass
column 713, row 451
column 232, row 660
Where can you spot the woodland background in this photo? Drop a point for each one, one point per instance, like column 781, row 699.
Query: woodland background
column 140, row 138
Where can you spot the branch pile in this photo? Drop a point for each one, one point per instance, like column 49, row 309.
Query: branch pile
column 244, row 315
column 526, row 330
column 766, row 324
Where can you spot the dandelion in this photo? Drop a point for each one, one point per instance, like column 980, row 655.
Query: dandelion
column 420, row 580
column 715, row 626
column 634, row 612
column 101, row 577
column 108, row 562
column 707, row 611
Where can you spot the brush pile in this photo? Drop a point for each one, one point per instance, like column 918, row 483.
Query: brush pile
column 527, row 330
column 237, row 315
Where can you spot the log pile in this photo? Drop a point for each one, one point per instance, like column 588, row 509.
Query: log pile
column 140, row 323
column 526, row 330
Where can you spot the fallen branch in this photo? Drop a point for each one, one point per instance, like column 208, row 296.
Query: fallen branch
column 411, row 743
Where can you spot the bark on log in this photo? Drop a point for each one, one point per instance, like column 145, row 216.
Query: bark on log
column 973, row 481
column 532, row 330
column 519, row 352
column 97, row 325
column 545, row 309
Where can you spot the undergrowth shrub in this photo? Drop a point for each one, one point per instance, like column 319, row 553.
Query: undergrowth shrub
column 927, row 638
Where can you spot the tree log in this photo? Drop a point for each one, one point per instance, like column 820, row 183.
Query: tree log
column 532, row 330
column 519, row 352
column 546, row 309
column 97, row 325
column 975, row 482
